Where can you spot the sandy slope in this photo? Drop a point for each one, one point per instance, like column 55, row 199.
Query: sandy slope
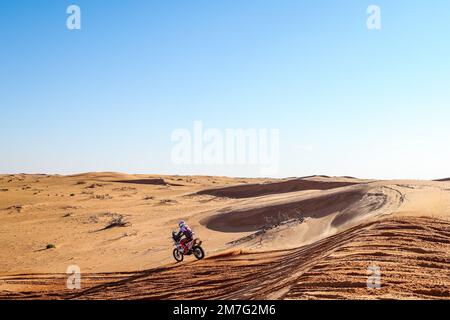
column 312, row 237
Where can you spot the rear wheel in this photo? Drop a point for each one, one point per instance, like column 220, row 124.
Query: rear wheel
column 198, row 252
column 177, row 255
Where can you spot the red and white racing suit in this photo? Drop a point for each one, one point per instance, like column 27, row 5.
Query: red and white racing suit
column 187, row 233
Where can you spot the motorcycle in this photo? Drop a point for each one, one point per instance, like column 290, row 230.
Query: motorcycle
column 193, row 247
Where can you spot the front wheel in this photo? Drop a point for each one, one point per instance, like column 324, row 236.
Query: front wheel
column 198, row 252
column 177, row 255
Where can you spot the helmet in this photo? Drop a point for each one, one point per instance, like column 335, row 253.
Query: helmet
column 181, row 223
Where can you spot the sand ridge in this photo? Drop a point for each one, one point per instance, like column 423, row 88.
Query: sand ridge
column 285, row 231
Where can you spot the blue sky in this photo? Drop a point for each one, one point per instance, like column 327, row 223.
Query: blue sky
column 346, row 100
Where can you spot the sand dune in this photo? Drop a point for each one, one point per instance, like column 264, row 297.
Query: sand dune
column 413, row 255
column 346, row 203
column 307, row 238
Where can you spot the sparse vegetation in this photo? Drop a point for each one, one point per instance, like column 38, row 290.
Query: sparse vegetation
column 92, row 219
column 94, row 185
column 129, row 234
column 102, row 196
column 124, row 189
column 282, row 218
column 17, row 207
column 167, row 201
column 50, row 246
column 68, row 207
column 117, row 221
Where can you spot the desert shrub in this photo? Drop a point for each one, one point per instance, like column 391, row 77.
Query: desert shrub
column 117, row 221
column 94, row 185
column 17, row 207
column 167, row 201
column 102, row 196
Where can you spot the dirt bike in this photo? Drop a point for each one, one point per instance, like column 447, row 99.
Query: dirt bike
column 193, row 247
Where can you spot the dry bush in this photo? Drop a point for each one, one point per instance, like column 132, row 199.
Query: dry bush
column 17, row 207
column 167, row 201
column 94, row 185
column 117, row 221
column 102, row 196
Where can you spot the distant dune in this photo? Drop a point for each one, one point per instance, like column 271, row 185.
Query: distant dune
column 256, row 190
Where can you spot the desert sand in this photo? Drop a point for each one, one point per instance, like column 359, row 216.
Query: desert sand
column 298, row 238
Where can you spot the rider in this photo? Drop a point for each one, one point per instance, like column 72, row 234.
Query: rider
column 186, row 232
